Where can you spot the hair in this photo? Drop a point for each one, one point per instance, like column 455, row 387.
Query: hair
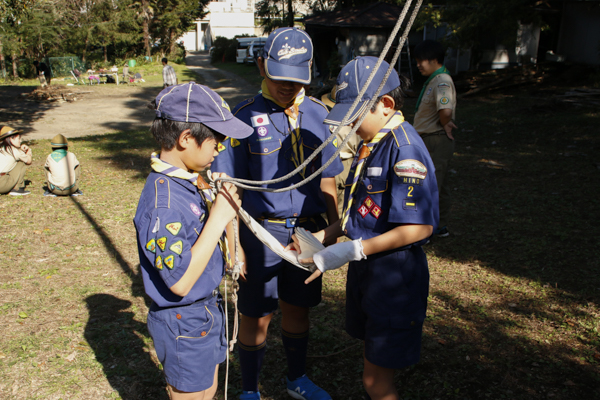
column 36, row 62
column 430, row 50
column 6, row 146
column 164, row 60
column 397, row 94
column 166, row 132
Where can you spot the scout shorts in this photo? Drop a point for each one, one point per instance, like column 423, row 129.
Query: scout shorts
column 270, row 278
column 189, row 341
column 386, row 302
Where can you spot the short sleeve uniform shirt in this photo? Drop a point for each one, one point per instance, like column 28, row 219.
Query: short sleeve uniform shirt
column 439, row 94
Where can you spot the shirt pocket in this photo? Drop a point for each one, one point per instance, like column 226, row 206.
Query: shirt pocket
column 375, row 186
column 265, row 148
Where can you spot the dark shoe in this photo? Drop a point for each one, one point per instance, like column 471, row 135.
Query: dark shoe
column 77, row 193
column 49, row 194
column 442, row 232
column 19, row 192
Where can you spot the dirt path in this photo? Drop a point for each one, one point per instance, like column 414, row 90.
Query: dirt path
column 107, row 108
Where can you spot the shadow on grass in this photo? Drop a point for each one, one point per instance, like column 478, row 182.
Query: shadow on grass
column 117, row 341
column 17, row 110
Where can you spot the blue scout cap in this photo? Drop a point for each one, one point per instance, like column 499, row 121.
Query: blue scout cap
column 191, row 102
column 288, row 55
column 349, row 83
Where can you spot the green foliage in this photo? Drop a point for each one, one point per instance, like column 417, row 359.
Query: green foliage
column 224, row 50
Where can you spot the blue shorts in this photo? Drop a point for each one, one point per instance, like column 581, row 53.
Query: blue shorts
column 386, row 303
column 271, row 278
column 189, row 341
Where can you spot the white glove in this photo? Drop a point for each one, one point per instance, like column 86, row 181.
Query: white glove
column 339, row 254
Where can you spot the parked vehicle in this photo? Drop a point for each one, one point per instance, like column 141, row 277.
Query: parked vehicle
column 242, row 48
column 254, row 51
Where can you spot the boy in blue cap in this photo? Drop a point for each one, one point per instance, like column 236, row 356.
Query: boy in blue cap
column 391, row 208
column 179, row 234
column 288, row 127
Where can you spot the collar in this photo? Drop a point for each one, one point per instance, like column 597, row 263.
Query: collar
column 167, row 169
column 439, row 71
column 58, row 154
column 392, row 124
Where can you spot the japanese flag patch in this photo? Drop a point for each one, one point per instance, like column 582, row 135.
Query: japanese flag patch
column 260, row 120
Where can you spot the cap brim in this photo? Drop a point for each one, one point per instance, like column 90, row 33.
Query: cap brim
column 327, row 101
column 339, row 111
column 232, row 128
column 285, row 72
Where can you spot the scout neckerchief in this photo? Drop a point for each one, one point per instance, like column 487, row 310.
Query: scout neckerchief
column 292, row 111
column 58, row 154
column 441, row 70
column 362, row 155
column 205, row 190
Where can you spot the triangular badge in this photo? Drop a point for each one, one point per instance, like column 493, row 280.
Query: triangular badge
column 174, row 228
column 176, row 247
column 162, row 242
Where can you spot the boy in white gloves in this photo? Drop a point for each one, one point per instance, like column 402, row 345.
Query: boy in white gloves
column 390, row 209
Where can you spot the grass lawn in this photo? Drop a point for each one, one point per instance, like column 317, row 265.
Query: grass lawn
column 514, row 298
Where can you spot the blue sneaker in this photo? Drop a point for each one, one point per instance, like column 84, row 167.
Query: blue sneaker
column 248, row 395
column 304, row 389
column 441, row 232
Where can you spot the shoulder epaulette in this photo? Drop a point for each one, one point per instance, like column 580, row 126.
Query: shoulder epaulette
column 245, row 103
column 400, row 135
column 162, row 188
column 319, row 102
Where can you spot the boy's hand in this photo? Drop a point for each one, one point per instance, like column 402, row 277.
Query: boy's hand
column 25, row 148
column 228, row 201
column 335, row 256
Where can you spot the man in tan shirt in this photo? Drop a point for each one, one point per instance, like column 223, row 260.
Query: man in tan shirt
column 434, row 119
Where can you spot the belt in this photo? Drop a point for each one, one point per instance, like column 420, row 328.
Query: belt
column 214, row 293
column 289, row 222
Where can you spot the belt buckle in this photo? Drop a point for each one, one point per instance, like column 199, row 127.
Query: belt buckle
column 290, row 222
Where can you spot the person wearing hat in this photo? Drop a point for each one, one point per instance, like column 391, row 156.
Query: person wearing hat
column 391, row 209
column 62, row 169
column 180, row 232
column 348, row 152
column 287, row 127
column 14, row 158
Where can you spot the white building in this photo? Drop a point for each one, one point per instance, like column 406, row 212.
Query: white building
column 225, row 18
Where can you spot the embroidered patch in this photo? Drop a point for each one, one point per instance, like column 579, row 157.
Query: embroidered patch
column 235, row 142
column 262, row 131
column 444, row 85
column 376, row 211
column 288, row 51
column 156, row 225
column 151, row 246
column 158, row 263
column 195, row 209
column 409, row 204
column 259, row 120
column 169, row 261
column 225, row 105
column 221, row 147
column 369, row 203
column 176, row 247
column 428, row 91
column 362, row 210
column 335, row 143
column 174, row 228
column 162, row 242
column 410, row 169
column 444, row 100
column 331, row 128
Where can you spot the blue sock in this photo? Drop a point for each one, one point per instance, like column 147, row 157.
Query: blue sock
column 295, row 345
column 251, row 359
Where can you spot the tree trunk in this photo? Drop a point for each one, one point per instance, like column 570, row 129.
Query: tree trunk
column 2, row 62
column 145, row 26
column 290, row 14
column 14, row 65
column 172, row 39
column 105, row 57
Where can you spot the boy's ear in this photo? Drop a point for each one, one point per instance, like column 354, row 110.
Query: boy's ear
column 389, row 104
column 261, row 66
column 184, row 138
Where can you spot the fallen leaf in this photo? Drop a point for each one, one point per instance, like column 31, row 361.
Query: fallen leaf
column 71, row 356
column 512, row 305
column 23, row 315
column 37, row 232
column 441, row 341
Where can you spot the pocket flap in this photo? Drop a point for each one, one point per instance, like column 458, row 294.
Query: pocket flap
column 264, row 148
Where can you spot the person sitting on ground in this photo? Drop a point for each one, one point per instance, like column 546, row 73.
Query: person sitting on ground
column 14, row 158
column 62, row 169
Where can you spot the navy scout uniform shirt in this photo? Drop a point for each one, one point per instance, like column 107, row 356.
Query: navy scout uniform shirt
column 268, row 154
column 398, row 186
column 169, row 219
